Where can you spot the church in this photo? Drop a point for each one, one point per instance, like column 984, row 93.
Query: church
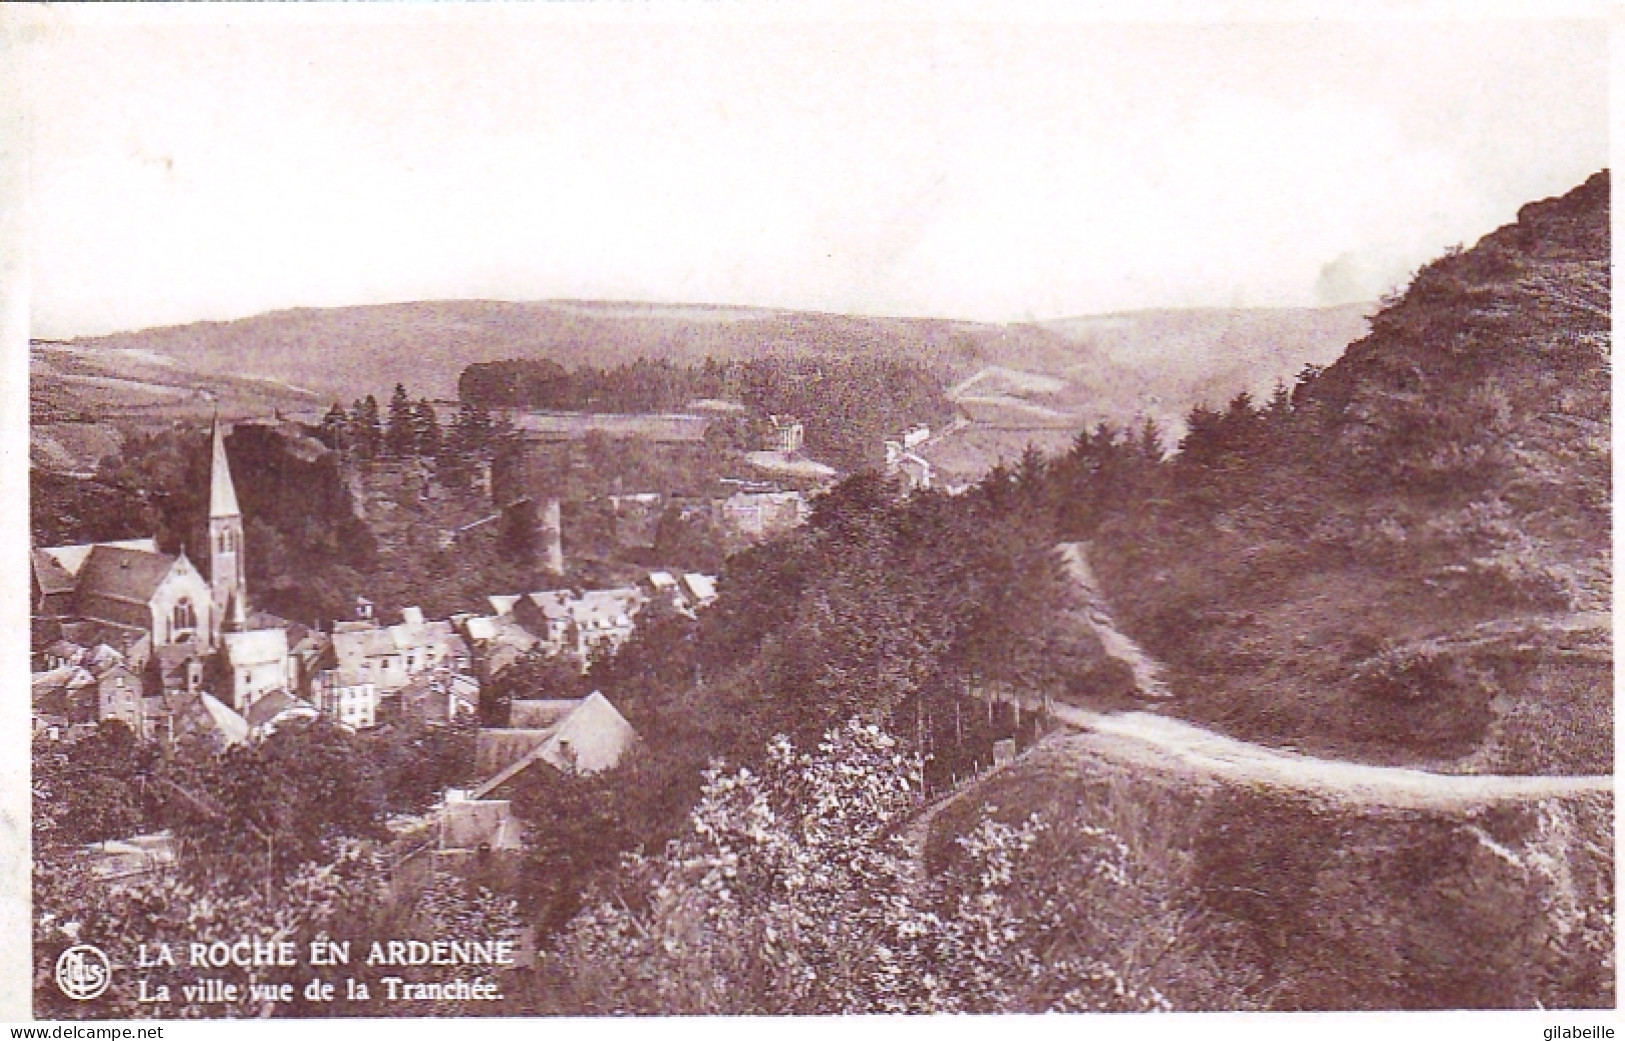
column 149, row 605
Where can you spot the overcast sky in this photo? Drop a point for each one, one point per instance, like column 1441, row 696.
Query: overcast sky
column 206, row 163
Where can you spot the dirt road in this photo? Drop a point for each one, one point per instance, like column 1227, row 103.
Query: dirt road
column 1162, row 743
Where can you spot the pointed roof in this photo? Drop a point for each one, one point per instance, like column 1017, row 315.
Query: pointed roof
column 130, row 575
column 222, row 495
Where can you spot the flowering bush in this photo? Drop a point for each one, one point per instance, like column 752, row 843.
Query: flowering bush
column 796, row 893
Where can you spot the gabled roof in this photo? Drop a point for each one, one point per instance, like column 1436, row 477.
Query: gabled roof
column 700, row 586
column 606, row 608
column 72, row 558
column 102, row 657
column 50, row 574
column 130, row 575
column 345, row 676
column 257, row 647
column 539, row 714
column 65, row 649
column 352, row 647
column 222, row 495
column 228, row 725
column 424, row 634
column 54, row 679
column 591, row 739
column 275, row 705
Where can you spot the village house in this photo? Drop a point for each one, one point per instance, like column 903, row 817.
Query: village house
column 440, row 697
column 755, row 515
column 574, row 736
column 546, row 615
column 275, row 709
column 258, row 662
column 786, row 434
column 346, row 697
column 119, row 697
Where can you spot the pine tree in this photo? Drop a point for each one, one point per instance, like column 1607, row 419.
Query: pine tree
column 335, row 428
column 365, row 430
column 425, row 429
column 399, row 436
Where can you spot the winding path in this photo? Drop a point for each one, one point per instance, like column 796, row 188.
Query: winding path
column 1163, row 743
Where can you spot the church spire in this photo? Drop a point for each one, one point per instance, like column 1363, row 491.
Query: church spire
column 222, row 494
column 228, row 574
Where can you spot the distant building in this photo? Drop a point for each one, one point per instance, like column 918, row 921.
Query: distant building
column 914, row 469
column 667, row 428
column 754, row 515
column 785, row 434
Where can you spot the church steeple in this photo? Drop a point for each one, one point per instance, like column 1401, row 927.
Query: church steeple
column 227, row 570
column 222, row 494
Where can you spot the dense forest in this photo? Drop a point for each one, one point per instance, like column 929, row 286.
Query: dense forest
column 849, row 405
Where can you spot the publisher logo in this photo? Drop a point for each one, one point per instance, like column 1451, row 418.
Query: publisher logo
column 83, row 972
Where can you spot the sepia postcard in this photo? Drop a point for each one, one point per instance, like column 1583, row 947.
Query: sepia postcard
column 757, row 510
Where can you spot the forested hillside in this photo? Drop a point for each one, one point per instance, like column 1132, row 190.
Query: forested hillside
column 1404, row 556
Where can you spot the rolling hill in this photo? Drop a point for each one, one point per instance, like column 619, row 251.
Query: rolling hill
column 1053, row 378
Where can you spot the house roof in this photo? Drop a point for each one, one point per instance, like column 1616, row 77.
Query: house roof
column 115, row 670
column 701, row 587
column 222, row 496
column 228, row 725
column 257, row 647
column 501, row 656
column 276, row 705
column 506, row 632
column 553, row 603
column 541, row 713
column 351, row 647
column 502, row 603
column 606, row 608
column 65, row 649
column 51, row 575
column 662, row 580
column 345, row 676
column 591, row 739
column 173, row 654
column 102, row 657
column 424, row 634
column 72, row 558
column 54, row 679
column 131, row 575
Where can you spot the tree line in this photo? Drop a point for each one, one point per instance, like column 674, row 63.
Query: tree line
column 848, row 405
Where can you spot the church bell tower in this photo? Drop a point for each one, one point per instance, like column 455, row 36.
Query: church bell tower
column 227, row 574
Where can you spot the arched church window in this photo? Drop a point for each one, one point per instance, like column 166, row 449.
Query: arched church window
column 183, row 618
